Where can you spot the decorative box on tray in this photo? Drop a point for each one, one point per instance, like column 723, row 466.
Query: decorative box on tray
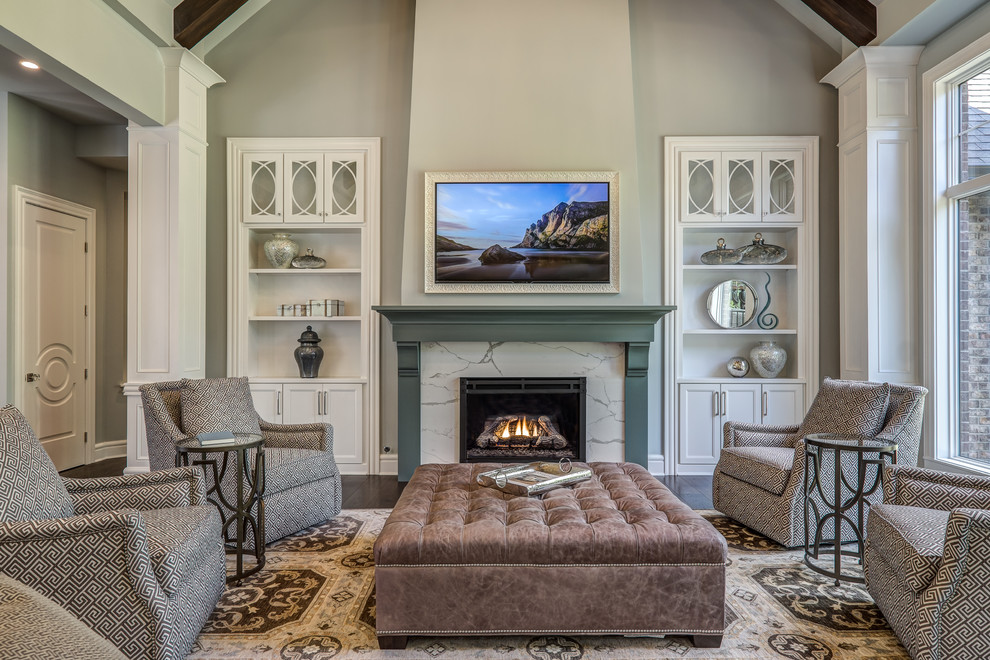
column 534, row 478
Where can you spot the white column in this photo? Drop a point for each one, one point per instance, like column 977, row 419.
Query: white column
column 879, row 220
column 166, row 226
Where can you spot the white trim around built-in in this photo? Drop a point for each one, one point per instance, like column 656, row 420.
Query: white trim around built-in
column 939, row 448
column 24, row 197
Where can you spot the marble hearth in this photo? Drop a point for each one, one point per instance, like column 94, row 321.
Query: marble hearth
column 438, row 345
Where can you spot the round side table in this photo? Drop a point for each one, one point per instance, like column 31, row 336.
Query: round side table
column 248, row 509
column 844, row 498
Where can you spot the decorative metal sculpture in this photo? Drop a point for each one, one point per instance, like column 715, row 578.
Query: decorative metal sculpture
column 763, row 319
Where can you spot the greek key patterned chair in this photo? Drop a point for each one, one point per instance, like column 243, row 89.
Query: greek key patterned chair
column 927, row 562
column 759, row 478
column 302, row 482
column 137, row 558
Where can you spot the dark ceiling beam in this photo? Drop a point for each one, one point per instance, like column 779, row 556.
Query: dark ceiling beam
column 856, row 20
column 194, row 19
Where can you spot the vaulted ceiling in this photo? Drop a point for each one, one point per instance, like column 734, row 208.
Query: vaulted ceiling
column 192, row 20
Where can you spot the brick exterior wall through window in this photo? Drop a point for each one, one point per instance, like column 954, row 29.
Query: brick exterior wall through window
column 974, row 273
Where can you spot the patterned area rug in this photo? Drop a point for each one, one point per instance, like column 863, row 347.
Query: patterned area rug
column 315, row 600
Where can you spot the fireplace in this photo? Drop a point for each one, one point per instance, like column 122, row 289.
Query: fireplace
column 513, row 420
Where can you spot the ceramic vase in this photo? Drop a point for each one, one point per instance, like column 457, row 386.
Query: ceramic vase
column 768, row 359
column 308, row 354
column 281, row 250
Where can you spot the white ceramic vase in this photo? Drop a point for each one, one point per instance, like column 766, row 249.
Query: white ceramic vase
column 768, row 358
column 281, row 250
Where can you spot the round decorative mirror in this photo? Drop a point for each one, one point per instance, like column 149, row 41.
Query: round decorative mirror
column 732, row 303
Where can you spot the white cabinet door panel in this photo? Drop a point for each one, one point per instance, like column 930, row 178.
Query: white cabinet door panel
column 268, row 401
column 344, row 411
column 740, row 403
column 698, row 423
column 302, row 403
column 783, row 404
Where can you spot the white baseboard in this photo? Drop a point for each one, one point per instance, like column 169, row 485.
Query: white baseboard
column 655, row 464
column 112, row 449
column 137, row 469
column 388, row 464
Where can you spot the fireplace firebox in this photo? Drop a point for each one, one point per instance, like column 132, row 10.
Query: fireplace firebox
column 516, row 420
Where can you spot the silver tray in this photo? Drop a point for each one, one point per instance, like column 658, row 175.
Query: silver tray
column 534, row 478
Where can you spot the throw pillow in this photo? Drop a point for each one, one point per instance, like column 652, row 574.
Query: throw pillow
column 31, row 486
column 848, row 407
column 218, row 404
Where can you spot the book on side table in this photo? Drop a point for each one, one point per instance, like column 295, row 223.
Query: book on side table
column 215, row 438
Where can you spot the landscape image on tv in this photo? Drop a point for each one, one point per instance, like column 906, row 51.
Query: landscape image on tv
column 522, row 232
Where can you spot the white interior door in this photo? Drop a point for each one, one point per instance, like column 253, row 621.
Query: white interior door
column 54, row 331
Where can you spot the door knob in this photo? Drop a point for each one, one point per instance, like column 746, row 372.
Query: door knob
column 32, row 377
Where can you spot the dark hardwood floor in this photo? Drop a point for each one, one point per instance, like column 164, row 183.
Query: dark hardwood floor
column 382, row 492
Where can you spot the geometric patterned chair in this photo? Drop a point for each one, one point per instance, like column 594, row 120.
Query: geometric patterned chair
column 302, row 481
column 136, row 558
column 35, row 627
column 759, row 478
column 927, row 562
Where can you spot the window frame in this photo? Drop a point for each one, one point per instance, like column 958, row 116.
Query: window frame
column 941, row 193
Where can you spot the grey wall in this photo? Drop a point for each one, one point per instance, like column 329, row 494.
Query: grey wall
column 344, row 68
column 41, row 157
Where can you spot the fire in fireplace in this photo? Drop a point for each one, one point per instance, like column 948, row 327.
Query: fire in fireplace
column 522, row 419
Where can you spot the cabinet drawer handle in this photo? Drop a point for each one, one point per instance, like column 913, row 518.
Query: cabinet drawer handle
column 723, row 403
column 278, row 403
column 714, row 404
column 325, row 411
column 764, row 404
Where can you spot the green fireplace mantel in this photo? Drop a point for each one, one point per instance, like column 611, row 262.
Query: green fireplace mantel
column 411, row 325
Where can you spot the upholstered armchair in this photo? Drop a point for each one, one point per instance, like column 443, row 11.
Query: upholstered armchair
column 759, row 478
column 136, row 558
column 302, row 482
column 927, row 562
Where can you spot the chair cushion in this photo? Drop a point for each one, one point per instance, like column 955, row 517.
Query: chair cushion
column 287, row 467
column 847, row 407
column 30, row 488
column 179, row 539
column 910, row 539
column 218, row 404
column 768, row 468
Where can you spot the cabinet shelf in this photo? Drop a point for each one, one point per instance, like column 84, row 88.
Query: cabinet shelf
column 740, row 331
column 304, row 271
column 700, row 267
column 745, row 379
column 307, row 319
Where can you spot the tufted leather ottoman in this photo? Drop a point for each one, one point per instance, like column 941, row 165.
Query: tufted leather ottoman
column 617, row 554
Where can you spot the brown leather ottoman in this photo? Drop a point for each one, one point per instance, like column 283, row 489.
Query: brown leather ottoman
column 618, row 554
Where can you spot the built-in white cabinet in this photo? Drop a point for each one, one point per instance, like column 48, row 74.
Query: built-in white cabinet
column 741, row 186
column 339, row 404
column 733, row 188
column 324, row 193
column 704, row 407
column 304, row 187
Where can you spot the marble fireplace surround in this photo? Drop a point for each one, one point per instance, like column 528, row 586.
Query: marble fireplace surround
column 634, row 327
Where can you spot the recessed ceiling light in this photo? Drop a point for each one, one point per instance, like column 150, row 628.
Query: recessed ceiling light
column 28, row 64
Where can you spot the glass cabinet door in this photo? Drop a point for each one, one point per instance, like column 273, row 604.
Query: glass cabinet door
column 262, row 187
column 304, row 188
column 782, row 193
column 345, row 188
column 742, row 187
column 701, row 187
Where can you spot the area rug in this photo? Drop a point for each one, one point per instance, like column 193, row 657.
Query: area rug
column 315, row 600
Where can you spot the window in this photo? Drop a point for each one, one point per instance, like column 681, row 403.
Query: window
column 957, row 154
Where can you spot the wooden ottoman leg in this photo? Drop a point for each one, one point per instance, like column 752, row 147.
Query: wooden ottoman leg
column 399, row 641
column 700, row 641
